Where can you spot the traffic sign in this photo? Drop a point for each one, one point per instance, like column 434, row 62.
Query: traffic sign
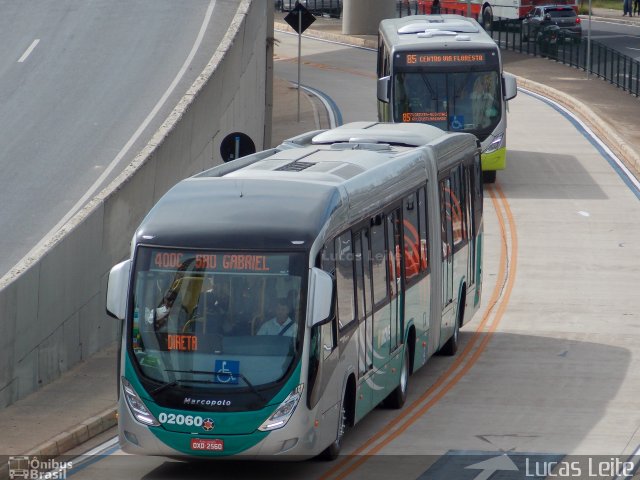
column 236, row 145
column 299, row 18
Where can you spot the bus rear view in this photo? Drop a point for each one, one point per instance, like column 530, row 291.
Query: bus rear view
column 445, row 70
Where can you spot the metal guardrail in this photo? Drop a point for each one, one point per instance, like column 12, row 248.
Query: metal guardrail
column 602, row 61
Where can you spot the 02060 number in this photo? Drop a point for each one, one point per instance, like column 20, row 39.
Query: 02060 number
column 173, row 419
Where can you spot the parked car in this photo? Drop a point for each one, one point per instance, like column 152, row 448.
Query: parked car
column 562, row 16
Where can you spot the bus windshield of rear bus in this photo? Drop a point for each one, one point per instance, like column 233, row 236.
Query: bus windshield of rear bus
column 460, row 101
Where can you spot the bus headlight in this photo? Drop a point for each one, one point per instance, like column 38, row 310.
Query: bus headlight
column 281, row 416
column 495, row 144
column 137, row 406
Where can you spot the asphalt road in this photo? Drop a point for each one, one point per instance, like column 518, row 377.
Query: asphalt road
column 77, row 79
column 624, row 38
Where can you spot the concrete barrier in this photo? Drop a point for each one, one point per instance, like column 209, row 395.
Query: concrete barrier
column 52, row 305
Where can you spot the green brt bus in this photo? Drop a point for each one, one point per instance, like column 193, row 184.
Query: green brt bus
column 445, row 70
column 271, row 302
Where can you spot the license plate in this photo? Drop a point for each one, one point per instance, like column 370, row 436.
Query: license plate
column 209, row 445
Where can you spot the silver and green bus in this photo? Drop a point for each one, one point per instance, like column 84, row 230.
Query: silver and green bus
column 445, row 70
column 271, row 302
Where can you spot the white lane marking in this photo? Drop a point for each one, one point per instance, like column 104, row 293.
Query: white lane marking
column 92, row 189
column 584, row 214
column 28, row 51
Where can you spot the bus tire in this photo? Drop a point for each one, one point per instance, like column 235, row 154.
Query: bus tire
column 397, row 398
column 489, row 176
column 451, row 347
column 333, row 450
column 487, row 18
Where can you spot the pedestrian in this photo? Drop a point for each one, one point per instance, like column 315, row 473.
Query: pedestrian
column 636, row 7
column 626, row 7
column 435, row 7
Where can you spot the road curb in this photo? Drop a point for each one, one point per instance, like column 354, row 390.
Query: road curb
column 69, row 439
column 600, row 127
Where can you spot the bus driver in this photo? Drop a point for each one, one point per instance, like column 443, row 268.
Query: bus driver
column 281, row 324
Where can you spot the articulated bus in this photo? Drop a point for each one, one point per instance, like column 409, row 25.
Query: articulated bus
column 445, row 70
column 271, row 302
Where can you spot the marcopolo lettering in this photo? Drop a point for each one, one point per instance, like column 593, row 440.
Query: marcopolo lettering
column 206, row 402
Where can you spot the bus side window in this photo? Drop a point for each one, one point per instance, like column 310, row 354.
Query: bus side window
column 378, row 263
column 328, row 332
column 411, row 238
column 345, row 289
column 422, row 215
column 445, row 217
column 457, row 213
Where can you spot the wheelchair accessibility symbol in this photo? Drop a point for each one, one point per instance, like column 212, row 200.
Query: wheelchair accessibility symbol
column 457, row 122
column 227, row 371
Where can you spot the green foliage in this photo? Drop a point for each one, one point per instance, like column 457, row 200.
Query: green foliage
column 583, row 7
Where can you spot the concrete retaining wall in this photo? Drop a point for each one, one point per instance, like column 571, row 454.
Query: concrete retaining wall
column 52, row 306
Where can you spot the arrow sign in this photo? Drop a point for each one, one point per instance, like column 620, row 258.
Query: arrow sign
column 493, row 465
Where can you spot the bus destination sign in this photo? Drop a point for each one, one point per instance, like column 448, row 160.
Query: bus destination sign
column 442, row 59
column 211, row 262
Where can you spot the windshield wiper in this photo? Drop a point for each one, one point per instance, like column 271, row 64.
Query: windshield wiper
column 226, row 373
column 164, row 386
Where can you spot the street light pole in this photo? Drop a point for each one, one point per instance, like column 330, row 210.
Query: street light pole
column 589, row 42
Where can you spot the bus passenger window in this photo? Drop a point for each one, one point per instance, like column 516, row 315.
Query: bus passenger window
column 445, row 217
column 411, row 238
column 344, row 280
column 456, row 209
column 422, row 214
column 378, row 263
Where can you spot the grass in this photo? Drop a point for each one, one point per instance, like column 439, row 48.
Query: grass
column 583, row 8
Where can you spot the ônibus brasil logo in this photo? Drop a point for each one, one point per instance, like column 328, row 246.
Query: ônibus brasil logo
column 33, row 468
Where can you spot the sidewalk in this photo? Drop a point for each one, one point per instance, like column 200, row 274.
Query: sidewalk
column 81, row 404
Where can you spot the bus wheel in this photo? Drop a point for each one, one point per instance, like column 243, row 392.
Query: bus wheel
column 489, row 176
column 487, row 18
column 451, row 347
column 397, row 398
column 333, row 450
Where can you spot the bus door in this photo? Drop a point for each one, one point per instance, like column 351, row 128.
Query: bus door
column 446, row 232
column 365, row 308
column 362, row 256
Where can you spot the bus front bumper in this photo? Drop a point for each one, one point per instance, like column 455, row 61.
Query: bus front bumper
column 496, row 160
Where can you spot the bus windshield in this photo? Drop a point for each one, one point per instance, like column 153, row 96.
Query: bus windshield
column 462, row 101
column 207, row 319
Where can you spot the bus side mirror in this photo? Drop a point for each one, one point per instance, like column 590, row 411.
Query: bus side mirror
column 320, row 301
column 510, row 86
column 117, row 290
column 384, row 84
